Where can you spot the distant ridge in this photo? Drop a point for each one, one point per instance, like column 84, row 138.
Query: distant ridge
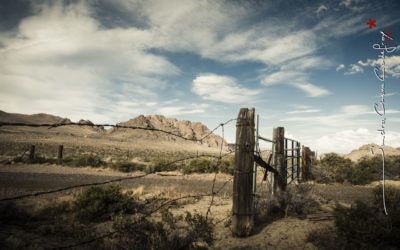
column 187, row 129
column 365, row 151
column 34, row 119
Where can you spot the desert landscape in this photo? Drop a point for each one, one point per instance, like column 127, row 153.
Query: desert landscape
column 41, row 200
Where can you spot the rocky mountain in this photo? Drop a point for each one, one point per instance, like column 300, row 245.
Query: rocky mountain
column 187, row 129
column 365, row 151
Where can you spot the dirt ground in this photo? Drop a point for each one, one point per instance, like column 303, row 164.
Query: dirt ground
column 287, row 233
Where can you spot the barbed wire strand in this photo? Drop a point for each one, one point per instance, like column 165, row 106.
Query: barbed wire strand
column 55, row 125
column 215, row 175
column 107, row 182
column 109, row 234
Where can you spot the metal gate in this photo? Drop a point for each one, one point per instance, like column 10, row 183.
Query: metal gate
column 292, row 156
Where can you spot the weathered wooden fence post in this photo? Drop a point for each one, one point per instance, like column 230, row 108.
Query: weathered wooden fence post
column 243, row 207
column 60, row 154
column 279, row 158
column 306, row 160
column 32, row 152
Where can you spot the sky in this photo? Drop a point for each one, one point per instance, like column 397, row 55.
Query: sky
column 307, row 66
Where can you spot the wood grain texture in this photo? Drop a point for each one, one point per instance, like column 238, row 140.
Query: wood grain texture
column 242, row 208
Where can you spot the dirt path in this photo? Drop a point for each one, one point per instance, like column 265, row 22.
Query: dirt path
column 25, row 179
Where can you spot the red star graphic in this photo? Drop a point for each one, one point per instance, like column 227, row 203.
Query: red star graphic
column 371, row 23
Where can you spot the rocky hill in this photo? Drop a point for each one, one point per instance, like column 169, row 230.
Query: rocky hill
column 187, row 129
column 32, row 119
column 365, row 151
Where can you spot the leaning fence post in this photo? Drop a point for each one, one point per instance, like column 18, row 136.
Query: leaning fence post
column 279, row 158
column 32, row 152
column 242, row 208
column 60, row 154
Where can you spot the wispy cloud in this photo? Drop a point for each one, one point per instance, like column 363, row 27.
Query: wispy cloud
column 354, row 69
column 321, row 9
column 283, row 77
column 341, row 66
column 179, row 110
column 392, row 65
column 300, row 111
column 345, row 141
column 312, row 90
column 221, row 89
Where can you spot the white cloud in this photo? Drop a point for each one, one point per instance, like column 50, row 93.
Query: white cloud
column 312, row 90
column 303, row 111
column 221, row 89
column 320, row 9
column 178, row 110
column 354, row 69
column 283, row 77
column 347, row 140
column 392, row 65
column 341, row 66
column 63, row 61
column 392, row 94
column 353, row 4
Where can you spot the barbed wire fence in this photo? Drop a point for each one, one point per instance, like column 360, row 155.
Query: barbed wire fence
column 212, row 194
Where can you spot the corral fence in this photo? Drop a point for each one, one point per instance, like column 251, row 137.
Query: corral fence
column 287, row 163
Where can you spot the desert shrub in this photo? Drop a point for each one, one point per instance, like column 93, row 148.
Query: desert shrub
column 339, row 169
column 200, row 166
column 321, row 175
column 127, row 166
column 159, row 164
column 364, row 225
column 139, row 232
column 325, row 238
column 226, row 167
column 91, row 160
column 100, row 203
column 337, row 166
column 38, row 159
column 297, row 200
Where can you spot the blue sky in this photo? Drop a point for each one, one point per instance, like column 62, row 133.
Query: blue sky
column 304, row 65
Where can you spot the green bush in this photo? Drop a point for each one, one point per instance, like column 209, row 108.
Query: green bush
column 38, row 159
column 127, row 166
column 338, row 167
column 226, row 167
column 365, row 226
column 297, row 200
column 100, row 203
column 91, row 160
column 161, row 164
column 200, row 166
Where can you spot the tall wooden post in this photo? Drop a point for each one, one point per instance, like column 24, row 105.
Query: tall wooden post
column 243, row 207
column 60, row 154
column 32, row 152
column 279, row 158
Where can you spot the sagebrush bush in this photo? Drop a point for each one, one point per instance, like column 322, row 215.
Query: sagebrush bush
column 297, row 200
column 209, row 166
column 160, row 164
column 226, row 167
column 335, row 168
column 91, row 160
column 364, row 225
column 127, row 166
column 139, row 232
column 100, row 203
